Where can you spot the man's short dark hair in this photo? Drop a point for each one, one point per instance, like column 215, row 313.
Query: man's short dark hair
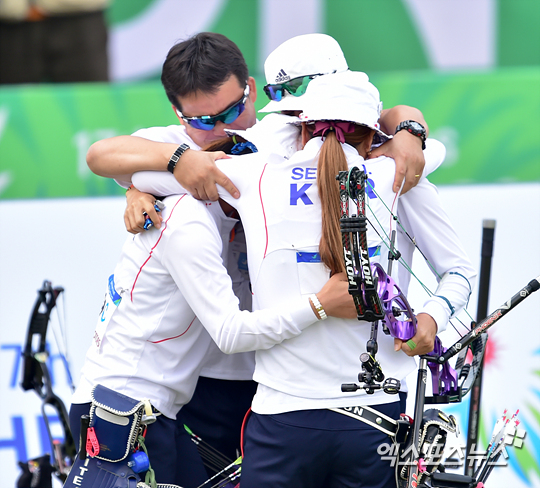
column 201, row 64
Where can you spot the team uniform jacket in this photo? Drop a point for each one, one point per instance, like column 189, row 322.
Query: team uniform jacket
column 280, row 209
column 217, row 365
column 150, row 341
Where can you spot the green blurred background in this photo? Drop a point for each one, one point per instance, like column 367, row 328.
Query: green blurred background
column 474, row 72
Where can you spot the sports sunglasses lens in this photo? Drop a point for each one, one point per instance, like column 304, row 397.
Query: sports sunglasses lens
column 233, row 113
column 201, row 124
column 274, row 92
column 297, row 87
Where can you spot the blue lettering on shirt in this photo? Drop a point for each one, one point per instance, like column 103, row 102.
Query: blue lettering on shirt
column 304, row 173
column 297, row 173
column 370, row 185
column 311, row 173
column 297, row 193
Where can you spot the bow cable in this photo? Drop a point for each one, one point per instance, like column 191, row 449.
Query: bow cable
column 400, row 258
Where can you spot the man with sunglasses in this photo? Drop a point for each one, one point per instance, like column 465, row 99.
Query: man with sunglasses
column 121, row 156
column 206, row 80
column 209, row 93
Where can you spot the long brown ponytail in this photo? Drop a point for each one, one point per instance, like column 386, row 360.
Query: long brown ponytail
column 332, row 160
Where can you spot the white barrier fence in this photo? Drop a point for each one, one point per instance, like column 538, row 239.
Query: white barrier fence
column 75, row 243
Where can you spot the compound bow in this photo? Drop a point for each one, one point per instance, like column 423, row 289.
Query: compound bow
column 36, row 377
column 378, row 297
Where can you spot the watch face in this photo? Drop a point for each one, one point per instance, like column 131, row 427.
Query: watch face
column 414, row 128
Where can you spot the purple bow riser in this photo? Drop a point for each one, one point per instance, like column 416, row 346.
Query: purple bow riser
column 400, row 321
column 399, row 317
column 443, row 377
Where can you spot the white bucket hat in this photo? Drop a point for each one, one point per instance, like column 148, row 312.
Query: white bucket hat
column 347, row 97
column 309, row 54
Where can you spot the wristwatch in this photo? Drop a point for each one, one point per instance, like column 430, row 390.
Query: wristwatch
column 415, row 128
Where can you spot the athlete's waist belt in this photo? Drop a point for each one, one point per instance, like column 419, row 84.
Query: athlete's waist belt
column 434, row 427
column 397, row 429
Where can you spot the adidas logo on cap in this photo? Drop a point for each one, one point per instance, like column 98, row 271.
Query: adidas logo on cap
column 282, row 76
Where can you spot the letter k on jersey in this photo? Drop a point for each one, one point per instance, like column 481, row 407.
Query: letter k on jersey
column 300, row 194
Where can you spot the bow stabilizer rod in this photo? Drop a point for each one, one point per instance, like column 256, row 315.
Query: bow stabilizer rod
column 491, row 319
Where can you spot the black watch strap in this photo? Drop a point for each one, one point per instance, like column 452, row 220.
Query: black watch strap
column 414, row 128
column 176, row 156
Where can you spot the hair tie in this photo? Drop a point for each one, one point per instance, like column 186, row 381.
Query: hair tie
column 341, row 128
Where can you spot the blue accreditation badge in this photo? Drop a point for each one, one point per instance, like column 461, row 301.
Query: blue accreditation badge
column 110, row 304
column 115, row 297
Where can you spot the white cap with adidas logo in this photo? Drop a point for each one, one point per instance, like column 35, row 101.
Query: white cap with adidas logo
column 309, row 54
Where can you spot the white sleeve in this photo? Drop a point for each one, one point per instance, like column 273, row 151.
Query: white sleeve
column 240, row 169
column 171, row 133
column 123, row 183
column 205, row 284
column 245, row 172
column 434, row 155
column 159, row 183
column 421, row 213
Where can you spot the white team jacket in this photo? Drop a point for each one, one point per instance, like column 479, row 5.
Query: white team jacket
column 280, row 210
